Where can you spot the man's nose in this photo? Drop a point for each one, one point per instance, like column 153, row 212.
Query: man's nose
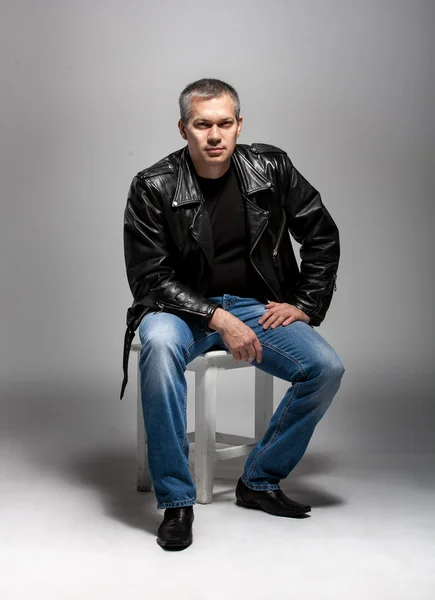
column 214, row 133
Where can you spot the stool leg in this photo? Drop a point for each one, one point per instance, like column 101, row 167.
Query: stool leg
column 143, row 473
column 263, row 402
column 205, row 433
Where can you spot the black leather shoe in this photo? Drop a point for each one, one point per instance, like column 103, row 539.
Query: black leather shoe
column 175, row 531
column 274, row 502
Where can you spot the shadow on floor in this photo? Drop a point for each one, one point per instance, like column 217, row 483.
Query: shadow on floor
column 113, row 476
column 52, row 427
column 295, row 486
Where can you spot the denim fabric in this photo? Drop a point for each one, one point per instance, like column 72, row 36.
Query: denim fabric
column 295, row 353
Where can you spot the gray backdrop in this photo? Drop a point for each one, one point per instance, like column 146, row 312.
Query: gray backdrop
column 89, row 97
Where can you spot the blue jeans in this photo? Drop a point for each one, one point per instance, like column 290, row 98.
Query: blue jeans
column 295, row 353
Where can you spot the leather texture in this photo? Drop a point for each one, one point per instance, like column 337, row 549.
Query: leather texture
column 274, row 502
column 168, row 241
column 175, row 531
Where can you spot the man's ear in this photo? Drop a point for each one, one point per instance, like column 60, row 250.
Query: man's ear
column 182, row 129
column 239, row 127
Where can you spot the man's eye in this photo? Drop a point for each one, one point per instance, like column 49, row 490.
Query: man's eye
column 225, row 124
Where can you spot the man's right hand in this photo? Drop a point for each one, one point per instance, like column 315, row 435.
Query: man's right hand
column 240, row 339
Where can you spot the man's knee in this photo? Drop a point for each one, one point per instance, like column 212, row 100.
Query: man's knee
column 328, row 365
column 160, row 332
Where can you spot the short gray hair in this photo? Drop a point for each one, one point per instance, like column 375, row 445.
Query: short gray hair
column 206, row 88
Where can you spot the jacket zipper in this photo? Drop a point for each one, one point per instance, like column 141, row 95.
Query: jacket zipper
column 275, row 250
column 162, row 305
column 250, row 258
column 330, row 286
column 194, row 219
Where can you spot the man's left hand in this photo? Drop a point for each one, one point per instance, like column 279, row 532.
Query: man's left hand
column 281, row 313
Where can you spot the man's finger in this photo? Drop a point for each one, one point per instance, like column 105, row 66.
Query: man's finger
column 278, row 321
column 258, row 350
column 265, row 316
column 289, row 321
column 270, row 318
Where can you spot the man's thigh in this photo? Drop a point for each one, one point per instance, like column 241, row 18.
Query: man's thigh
column 163, row 329
column 292, row 352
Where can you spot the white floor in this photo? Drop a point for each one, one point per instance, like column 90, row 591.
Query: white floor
column 76, row 528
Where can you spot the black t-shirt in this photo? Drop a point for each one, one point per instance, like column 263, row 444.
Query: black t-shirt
column 233, row 272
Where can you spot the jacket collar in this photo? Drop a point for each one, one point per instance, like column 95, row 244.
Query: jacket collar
column 250, row 179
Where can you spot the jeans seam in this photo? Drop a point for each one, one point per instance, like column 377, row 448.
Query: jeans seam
column 185, row 422
column 233, row 302
column 277, row 429
column 261, row 488
column 177, row 503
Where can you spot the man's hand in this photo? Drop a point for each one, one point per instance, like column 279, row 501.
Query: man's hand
column 281, row 313
column 240, row 339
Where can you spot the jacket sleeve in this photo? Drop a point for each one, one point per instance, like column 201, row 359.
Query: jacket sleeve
column 312, row 226
column 149, row 259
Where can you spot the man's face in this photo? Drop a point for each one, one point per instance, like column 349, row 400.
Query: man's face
column 211, row 132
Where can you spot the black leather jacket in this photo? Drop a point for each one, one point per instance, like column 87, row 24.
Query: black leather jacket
column 169, row 248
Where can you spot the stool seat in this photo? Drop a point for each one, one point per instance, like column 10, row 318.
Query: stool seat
column 203, row 450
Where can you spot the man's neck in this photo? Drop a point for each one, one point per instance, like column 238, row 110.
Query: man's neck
column 210, row 171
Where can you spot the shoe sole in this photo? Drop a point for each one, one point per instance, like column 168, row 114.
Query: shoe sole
column 255, row 506
column 173, row 546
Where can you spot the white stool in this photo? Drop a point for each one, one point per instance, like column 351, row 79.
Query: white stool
column 205, row 437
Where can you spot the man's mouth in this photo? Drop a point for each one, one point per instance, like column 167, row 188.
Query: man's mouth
column 215, row 150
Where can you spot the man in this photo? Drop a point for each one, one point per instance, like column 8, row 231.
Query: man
column 210, row 263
